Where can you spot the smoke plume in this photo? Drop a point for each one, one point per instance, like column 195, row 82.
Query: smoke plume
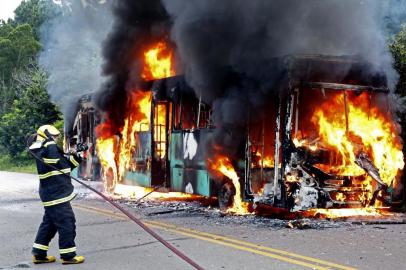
column 243, row 35
column 71, row 52
column 216, row 39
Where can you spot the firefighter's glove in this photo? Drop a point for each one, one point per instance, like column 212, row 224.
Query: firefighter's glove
column 81, row 147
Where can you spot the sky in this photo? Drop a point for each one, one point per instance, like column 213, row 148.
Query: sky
column 7, row 8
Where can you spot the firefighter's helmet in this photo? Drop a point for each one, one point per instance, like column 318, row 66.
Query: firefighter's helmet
column 45, row 131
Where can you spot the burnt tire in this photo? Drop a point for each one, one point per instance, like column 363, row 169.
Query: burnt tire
column 225, row 196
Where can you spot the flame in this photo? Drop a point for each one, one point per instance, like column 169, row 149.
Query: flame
column 266, row 162
column 160, row 130
column 340, row 197
column 304, row 143
column 136, row 192
column 298, row 143
column 116, row 157
column 139, row 110
column 142, row 101
column 158, row 63
column 369, row 131
column 347, row 212
column 223, row 166
column 105, row 150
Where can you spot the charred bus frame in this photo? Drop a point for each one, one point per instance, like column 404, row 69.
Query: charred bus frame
column 188, row 123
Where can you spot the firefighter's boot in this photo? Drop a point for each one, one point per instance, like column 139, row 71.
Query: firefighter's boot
column 43, row 259
column 74, row 260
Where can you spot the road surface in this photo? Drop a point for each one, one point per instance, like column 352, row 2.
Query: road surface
column 109, row 241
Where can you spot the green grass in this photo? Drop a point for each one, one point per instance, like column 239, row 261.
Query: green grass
column 22, row 165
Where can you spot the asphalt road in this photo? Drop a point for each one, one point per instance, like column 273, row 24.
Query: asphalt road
column 109, row 241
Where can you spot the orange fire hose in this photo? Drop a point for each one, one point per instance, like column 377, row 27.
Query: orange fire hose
column 124, row 211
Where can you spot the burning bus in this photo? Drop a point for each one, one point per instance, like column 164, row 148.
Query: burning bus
column 326, row 138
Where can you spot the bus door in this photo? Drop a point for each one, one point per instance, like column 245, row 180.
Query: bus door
column 160, row 143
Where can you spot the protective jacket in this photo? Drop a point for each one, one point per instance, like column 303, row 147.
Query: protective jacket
column 55, row 187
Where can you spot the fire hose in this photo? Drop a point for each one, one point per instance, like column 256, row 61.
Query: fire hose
column 120, row 208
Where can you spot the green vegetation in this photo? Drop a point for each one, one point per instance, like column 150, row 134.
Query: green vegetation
column 22, row 165
column 24, row 101
column 34, row 13
column 18, row 49
column 398, row 48
column 31, row 110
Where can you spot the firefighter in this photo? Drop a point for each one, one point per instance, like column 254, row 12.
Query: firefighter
column 56, row 192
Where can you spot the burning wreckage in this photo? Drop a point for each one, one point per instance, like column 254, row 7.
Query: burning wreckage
column 325, row 139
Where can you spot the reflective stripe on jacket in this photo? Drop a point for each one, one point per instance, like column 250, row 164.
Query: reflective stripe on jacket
column 55, row 187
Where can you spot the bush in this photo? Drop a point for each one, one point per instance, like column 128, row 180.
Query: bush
column 23, row 164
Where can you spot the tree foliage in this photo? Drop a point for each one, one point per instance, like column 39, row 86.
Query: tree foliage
column 34, row 13
column 18, row 48
column 24, row 101
column 398, row 48
column 27, row 113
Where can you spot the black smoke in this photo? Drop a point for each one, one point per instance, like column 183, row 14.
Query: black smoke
column 214, row 37
column 225, row 49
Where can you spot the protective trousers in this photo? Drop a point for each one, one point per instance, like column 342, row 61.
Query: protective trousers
column 58, row 218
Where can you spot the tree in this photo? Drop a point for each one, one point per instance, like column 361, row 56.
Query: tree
column 18, row 48
column 31, row 110
column 395, row 15
column 398, row 48
column 24, row 101
column 5, row 28
column 34, row 13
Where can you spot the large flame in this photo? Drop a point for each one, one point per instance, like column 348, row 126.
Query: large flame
column 369, row 131
column 223, row 166
column 117, row 157
column 366, row 129
column 158, row 63
column 138, row 120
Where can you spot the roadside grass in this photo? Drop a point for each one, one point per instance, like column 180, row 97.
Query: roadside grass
column 22, row 165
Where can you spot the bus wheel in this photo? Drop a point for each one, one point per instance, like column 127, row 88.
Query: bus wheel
column 226, row 195
column 109, row 181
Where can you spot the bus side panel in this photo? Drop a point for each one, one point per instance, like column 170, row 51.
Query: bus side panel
column 140, row 172
column 188, row 165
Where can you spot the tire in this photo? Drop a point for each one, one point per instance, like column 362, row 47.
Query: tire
column 226, row 196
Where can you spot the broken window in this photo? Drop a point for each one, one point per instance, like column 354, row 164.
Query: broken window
column 190, row 113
